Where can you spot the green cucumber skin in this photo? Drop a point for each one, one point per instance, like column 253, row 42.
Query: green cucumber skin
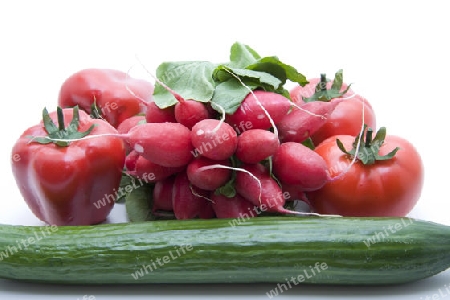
column 263, row 249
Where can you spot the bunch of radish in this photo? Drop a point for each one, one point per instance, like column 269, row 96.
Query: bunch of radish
column 204, row 164
column 227, row 140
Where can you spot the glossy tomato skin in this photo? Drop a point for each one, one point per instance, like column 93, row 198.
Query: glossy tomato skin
column 346, row 119
column 386, row 188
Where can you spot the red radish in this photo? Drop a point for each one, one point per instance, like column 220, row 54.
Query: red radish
column 250, row 112
column 187, row 200
column 293, row 192
column 129, row 123
column 166, row 144
column 139, row 167
column 301, row 123
column 131, row 160
column 190, row 112
column 186, row 112
column 255, row 145
column 261, row 189
column 297, row 164
column 234, row 207
column 162, row 194
column 213, row 139
column 209, row 179
column 206, row 210
column 155, row 114
column 213, row 114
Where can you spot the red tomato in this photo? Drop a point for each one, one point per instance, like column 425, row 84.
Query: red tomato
column 345, row 119
column 385, row 188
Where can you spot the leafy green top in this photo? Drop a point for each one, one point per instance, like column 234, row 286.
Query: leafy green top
column 190, row 79
column 225, row 85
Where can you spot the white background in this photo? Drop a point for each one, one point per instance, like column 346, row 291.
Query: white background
column 395, row 53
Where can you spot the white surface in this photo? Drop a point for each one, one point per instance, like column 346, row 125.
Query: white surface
column 395, row 53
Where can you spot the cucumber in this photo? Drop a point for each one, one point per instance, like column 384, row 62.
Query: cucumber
column 343, row 251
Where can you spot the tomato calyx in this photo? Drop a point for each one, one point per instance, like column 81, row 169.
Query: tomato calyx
column 366, row 148
column 60, row 135
column 324, row 94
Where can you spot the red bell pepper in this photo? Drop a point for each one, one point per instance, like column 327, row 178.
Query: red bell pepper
column 62, row 181
column 114, row 93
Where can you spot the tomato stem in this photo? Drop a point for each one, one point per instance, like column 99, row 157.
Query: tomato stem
column 322, row 93
column 323, row 82
column 368, row 150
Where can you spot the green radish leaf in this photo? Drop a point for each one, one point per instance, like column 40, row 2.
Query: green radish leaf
column 268, row 73
column 125, row 181
column 309, row 143
column 242, row 55
column 138, row 204
column 269, row 165
column 280, row 70
column 270, row 68
column 249, row 77
column 229, row 95
column 227, row 190
column 283, row 92
column 190, row 79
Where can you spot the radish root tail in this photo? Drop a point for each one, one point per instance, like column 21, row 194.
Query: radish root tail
column 222, row 117
column 130, row 91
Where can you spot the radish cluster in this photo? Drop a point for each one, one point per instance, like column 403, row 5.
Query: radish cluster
column 205, row 165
